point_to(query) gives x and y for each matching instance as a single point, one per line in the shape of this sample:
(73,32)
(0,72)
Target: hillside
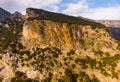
(52,47)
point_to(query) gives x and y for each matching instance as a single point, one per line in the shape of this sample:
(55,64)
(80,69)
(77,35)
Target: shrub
(73,66)
(51,63)
(84,77)
(69,76)
(99,52)
(48,79)
(55,55)
(71,52)
(21,77)
(60,80)
(94,79)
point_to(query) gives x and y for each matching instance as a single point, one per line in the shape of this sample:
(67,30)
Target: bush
(84,77)
(60,80)
(71,52)
(48,79)
(55,55)
(94,79)
(99,52)
(21,77)
(69,76)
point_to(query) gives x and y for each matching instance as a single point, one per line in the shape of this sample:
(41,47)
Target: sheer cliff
(53,47)
(67,32)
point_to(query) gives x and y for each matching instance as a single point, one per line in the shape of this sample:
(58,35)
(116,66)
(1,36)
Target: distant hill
(4,14)
(110,23)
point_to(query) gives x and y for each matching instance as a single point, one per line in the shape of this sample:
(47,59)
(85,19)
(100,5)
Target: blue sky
(93,9)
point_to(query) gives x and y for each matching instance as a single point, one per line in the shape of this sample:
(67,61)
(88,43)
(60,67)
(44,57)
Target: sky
(93,9)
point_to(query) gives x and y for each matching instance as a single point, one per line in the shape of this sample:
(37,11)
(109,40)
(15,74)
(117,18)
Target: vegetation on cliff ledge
(57,17)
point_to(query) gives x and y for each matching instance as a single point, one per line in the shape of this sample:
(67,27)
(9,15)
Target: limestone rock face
(65,36)
(30,14)
(47,33)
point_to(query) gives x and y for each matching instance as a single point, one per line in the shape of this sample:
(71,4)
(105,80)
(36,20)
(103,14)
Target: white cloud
(81,8)
(38,3)
(111,13)
(21,5)
(74,8)
(55,8)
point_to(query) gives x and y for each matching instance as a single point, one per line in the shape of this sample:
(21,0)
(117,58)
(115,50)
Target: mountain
(110,23)
(14,17)
(53,47)
(4,14)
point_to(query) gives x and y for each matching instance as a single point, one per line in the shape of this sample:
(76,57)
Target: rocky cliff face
(43,33)
(46,33)
(51,48)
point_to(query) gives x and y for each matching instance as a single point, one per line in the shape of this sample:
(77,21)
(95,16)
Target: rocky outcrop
(6,68)
(17,16)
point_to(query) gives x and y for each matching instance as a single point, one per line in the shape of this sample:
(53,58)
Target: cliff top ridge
(40,14)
